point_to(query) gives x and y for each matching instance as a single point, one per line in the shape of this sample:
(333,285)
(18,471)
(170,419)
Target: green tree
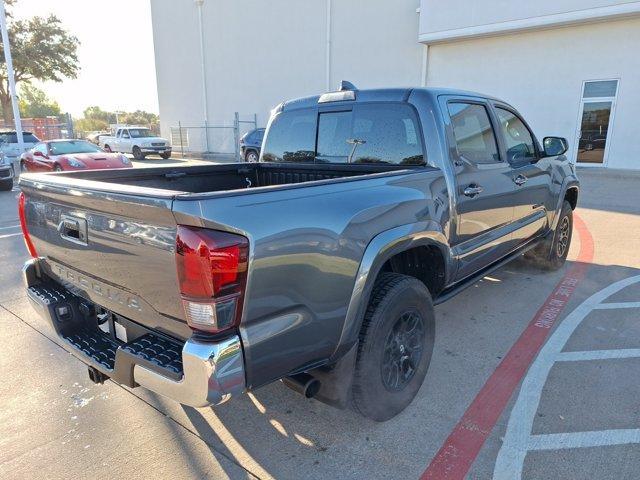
(97,114)
(35,103)
(140,117)
(42,49)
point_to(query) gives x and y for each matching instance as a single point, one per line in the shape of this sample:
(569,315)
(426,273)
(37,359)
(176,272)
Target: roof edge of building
(576,17)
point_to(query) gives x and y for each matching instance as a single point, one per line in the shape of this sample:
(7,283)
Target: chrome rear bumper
(199,375)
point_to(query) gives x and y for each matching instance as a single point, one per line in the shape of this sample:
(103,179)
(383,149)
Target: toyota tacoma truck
(139,141)
(319,265)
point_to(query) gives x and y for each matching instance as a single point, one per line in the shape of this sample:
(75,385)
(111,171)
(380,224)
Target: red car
(59,155)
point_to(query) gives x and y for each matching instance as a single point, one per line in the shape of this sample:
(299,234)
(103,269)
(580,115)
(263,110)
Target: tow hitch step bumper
(194,373)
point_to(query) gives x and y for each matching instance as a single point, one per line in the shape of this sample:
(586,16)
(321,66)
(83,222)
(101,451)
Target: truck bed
(220,177)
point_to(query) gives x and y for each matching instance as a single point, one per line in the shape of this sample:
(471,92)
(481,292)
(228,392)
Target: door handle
(520,180)
(473,190)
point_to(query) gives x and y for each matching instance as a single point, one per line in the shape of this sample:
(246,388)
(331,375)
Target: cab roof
(382,95)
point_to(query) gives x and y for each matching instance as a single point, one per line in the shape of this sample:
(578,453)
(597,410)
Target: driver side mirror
(38,153)
(554,146)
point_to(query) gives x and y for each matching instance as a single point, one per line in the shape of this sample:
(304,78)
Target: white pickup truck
(139,141)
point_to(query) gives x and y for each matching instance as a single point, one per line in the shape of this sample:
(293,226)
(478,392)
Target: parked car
(250,145)
(140,141)
(6,173)
(318,265)
(59,155)
(9,143)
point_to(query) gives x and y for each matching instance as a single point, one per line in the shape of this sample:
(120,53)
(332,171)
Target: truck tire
(251,156)
(107,149)
(137,153)
(6,185)
(551,253)
(395,346)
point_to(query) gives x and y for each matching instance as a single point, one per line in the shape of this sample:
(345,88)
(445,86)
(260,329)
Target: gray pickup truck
(318,266)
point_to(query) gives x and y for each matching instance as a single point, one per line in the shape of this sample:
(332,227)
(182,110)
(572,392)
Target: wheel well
(426,263)
(571,196)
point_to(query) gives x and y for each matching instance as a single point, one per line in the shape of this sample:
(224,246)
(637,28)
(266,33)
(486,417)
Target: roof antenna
(346,85)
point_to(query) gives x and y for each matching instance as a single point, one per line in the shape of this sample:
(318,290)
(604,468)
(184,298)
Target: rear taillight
(23,225)
(212,274)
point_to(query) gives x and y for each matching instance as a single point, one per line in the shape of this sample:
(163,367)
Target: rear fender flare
(381,248)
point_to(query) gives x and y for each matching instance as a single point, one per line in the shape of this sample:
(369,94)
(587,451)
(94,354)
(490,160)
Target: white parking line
(518,439)
(611,306)
(598,355)
(10,227)
(600,438)
(10,235)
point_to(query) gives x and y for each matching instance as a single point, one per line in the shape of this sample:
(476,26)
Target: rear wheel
(107,148)
(57,168)
(396,342)
(137,153)
(166,155)
(552,252)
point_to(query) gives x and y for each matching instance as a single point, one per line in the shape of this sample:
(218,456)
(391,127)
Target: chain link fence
(222,140)
(45,128)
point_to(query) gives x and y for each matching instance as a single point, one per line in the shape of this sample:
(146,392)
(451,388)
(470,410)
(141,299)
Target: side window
(42,148)
(474,135)
(517,137)
(292,137)
(258,136)
(125,134)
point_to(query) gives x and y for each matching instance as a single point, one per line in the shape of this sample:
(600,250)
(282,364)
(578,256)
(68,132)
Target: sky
(115,54)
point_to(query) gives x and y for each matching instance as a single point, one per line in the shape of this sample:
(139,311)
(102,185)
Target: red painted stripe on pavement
(457,454)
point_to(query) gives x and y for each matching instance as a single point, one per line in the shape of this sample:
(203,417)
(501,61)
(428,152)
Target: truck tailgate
(115,249)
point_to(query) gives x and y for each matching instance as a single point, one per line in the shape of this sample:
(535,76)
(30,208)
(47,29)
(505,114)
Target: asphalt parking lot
(492,405)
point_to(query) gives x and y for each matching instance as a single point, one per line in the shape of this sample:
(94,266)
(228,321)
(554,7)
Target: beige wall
(437,17)
(259,53)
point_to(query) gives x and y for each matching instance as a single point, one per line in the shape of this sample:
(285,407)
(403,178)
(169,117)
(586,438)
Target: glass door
(596,115)
(593,132)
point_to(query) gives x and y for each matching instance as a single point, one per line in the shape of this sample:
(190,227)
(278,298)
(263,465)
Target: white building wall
(476,16)
(541,73)
(259,53)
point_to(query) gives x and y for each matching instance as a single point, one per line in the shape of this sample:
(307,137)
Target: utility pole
(205,103)
(10,76)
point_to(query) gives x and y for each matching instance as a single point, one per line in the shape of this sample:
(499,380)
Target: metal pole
(328,49)
(181,143)
(10,76)
(236,135)
(205,102)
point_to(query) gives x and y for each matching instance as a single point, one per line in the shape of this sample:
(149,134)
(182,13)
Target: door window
(517,137)
(474,135)
(42,148)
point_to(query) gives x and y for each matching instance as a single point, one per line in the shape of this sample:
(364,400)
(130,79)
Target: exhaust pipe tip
(303,383)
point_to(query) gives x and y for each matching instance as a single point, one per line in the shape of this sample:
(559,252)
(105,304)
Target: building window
(602,88)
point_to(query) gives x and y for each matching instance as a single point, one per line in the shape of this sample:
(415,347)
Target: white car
(139,141)
(9,143)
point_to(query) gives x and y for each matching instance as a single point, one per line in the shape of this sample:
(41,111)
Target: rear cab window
(384,133)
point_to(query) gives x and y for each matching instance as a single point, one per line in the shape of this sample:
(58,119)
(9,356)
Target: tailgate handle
(73,229)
